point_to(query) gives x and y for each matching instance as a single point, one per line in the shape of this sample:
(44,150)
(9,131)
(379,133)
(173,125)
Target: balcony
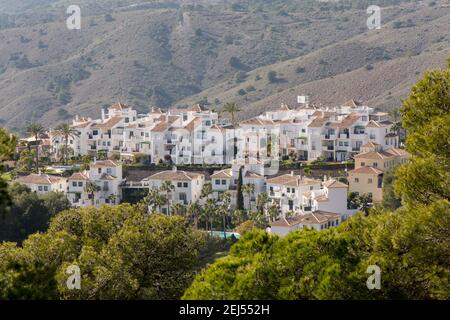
(328,136)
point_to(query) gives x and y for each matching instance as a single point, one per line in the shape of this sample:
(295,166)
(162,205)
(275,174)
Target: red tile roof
(34,178)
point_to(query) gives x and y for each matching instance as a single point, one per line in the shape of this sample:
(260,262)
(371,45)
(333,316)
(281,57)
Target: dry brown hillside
(174,53)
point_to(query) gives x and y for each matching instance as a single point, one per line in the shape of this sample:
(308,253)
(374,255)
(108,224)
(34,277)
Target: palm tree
(273,212)
(206,190)
(66,131)
(193,211)
(261,201)
(179,210)
(249,189)
(112,198)
(91,189)
(37,131)
(154,199)
(238,216)
(224,208)
(232,109)
(364,202)
(208,212)
(167,187)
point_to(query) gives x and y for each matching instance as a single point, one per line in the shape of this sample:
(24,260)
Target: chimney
(103,114)
(325,178)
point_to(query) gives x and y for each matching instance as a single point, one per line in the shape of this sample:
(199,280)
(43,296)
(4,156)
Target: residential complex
(196,136)
(245,151)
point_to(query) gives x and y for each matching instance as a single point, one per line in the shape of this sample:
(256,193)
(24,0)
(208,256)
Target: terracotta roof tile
(367,170)
(104,163)
(317,217)
(34,178)
(109,124)
(334,184)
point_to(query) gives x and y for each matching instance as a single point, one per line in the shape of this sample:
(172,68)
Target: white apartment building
(285,191)
(331,197)
(106,175)
(227,180)
(319,220)
(195,135)
(187,186)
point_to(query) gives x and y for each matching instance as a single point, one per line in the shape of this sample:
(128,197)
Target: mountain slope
(173,53)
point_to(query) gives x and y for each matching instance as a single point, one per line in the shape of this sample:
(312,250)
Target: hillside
(174,53)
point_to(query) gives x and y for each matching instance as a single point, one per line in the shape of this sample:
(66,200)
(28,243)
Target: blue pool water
(220,234)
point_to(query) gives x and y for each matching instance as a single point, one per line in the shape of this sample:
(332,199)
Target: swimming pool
(220,234)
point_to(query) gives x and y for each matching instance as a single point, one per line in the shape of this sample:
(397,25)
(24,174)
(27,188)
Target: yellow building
(370,164)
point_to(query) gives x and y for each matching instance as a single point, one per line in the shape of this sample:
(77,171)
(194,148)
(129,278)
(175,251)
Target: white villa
(43,183)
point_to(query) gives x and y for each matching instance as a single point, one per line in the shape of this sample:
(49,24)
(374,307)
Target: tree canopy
(122,253)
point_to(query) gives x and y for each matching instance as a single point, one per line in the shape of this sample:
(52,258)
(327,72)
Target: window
(217,181)
(80,184)
(185,184)
(289,190)
(74,184)
(311,187)
(99,170)
(40,188)
(224,182)
(45,188)
(375,164)
(356,180)
(108,170)
(370,180)
(127,120)
(363,164)
(293,190)
(179,184)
